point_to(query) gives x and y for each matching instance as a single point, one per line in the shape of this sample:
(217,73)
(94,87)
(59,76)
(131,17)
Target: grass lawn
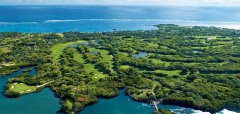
(153,45)
(124,54)
(88,66)
(144,92)
(225,43)
(97,74)
(60,34)
(22,88)
(167,48)
(78,57)
(169,72)
(209,37)
(8,64)
(105,54)
(157,61)
(57,49)
(5,50)
(69,104)
(125,67)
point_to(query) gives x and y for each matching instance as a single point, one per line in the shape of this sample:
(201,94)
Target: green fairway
(69,104)
(208,37)
(125,67)
(5,50)
(57,49)
(90,68)
(157,61)
(225,42)
(105,54)
(78,57)
(169,72)
(153,45)
(22,88)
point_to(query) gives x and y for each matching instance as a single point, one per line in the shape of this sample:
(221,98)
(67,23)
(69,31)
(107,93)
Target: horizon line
(102,4)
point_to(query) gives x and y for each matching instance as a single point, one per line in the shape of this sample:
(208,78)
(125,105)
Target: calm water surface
(43,102)
(140,55)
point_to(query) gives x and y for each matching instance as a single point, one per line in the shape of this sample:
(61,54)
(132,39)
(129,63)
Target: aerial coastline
(78,72)
(128,57)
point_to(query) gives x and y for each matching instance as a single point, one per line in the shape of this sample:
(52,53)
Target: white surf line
(119,19)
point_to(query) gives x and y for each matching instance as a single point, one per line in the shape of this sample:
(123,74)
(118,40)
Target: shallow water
(32,72)
(107,18)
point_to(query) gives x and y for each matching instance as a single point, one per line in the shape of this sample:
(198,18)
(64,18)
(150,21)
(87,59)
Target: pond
(140,55)
(196,52)
(85,43)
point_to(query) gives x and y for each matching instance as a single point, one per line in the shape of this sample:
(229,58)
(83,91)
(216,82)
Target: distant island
(190,66)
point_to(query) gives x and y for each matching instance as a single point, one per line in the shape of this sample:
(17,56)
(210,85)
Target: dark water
(43,102)
(107,18)
(118,105)
(32,72)
(123,104)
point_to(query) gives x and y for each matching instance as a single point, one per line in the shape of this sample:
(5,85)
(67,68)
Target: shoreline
(147,24)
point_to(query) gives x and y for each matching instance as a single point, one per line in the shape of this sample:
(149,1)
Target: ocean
(90,18)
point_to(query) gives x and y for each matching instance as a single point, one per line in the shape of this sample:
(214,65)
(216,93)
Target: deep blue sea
(106,18)
(98,19)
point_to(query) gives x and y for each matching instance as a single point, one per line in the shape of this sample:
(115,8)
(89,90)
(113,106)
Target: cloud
(153,2)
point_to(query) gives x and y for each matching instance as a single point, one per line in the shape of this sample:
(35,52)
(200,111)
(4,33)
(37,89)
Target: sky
(129,2)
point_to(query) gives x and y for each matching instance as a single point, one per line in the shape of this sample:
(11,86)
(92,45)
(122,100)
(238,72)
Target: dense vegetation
(162,111)
(197,67)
